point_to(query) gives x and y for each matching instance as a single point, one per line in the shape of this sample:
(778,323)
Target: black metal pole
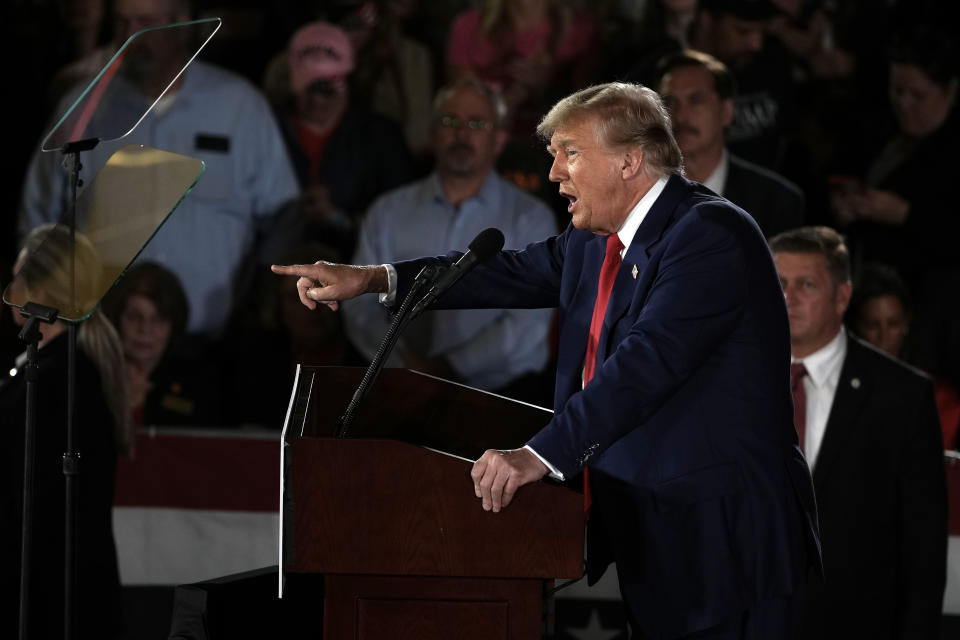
(35,314)
(71,470)
(31,375)
(71,458)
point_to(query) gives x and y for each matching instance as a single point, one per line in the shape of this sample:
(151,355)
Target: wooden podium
(395,527)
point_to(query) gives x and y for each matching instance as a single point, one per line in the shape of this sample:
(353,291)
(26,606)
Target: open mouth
(572,198)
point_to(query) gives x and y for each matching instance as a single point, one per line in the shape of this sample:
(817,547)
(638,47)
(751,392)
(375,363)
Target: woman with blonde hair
(45,275)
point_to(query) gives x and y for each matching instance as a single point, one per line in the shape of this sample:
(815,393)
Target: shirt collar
(629,227)
(824,364)
(717,180)
(488,193)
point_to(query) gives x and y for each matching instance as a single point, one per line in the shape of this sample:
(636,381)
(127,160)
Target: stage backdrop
(200,504)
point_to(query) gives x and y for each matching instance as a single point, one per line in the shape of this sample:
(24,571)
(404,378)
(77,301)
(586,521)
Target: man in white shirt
(869,429)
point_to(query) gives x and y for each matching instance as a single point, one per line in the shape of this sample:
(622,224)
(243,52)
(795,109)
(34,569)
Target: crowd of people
(321,140)
(382,130)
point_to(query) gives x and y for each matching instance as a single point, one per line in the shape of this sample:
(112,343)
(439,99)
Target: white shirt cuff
(390,296)
(554,472)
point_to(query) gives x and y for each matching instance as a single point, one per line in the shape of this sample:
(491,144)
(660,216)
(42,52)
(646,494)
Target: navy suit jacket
(881,491)
(701,494)
(774,202)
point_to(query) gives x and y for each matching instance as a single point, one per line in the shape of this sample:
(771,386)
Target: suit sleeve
(517,340)
(365,319)
(923,523)
(694,304)
(523,279)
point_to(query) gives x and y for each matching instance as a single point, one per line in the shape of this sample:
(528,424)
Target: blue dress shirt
(247,178)
(488,348)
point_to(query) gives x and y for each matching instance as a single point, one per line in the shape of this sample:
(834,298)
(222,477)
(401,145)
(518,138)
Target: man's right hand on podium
(498,474)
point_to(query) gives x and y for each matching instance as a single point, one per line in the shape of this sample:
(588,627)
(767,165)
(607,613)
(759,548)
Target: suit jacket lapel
(648,235)
(853,388)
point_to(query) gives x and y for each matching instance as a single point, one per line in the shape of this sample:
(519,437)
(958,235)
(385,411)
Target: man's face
(589,176)
(322,101)
(815,304)
(735,40)
(154,56)
(699,115)
(130,16)
(466,138)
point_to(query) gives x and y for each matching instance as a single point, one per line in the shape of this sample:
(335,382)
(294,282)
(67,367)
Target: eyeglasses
(453,122)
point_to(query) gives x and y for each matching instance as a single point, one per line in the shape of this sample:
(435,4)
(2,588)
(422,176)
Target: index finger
(301,270)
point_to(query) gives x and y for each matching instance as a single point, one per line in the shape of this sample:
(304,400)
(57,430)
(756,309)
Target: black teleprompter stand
(36,313)
(90,120)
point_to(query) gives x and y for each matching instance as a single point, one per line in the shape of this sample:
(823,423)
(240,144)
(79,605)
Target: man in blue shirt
(210,114)
(487,348)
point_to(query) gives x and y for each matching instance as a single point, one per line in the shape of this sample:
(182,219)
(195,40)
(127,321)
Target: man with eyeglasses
(500,350)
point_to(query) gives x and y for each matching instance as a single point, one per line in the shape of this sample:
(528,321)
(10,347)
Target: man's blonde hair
(628,116)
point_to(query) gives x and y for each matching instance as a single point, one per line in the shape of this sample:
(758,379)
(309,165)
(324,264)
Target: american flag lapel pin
(634,272)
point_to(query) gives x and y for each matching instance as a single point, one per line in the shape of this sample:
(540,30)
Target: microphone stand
(400,321)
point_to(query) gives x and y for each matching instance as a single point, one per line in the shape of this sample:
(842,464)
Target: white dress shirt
(717,181)
(626,233)
(820,384)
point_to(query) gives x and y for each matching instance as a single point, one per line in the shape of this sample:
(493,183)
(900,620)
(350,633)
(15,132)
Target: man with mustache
(497,350)
(699,90)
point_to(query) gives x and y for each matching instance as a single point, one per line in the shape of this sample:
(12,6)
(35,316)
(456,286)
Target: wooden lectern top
(379,503)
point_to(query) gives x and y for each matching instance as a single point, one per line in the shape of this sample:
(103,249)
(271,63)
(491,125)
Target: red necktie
(608,273)
(797,373)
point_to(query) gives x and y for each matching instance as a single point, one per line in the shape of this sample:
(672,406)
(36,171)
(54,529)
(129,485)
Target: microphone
(487,243)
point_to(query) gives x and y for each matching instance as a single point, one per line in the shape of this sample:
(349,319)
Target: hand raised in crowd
(884,207)
(329,283)
(317,206)
(498,474)
(316,203)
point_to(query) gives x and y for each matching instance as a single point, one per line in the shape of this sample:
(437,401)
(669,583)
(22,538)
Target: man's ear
(726,112)
(631,163)
(841,298)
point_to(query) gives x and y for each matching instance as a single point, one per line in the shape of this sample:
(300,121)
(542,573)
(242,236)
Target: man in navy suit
(674,392)
(872,439)
(699,91)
